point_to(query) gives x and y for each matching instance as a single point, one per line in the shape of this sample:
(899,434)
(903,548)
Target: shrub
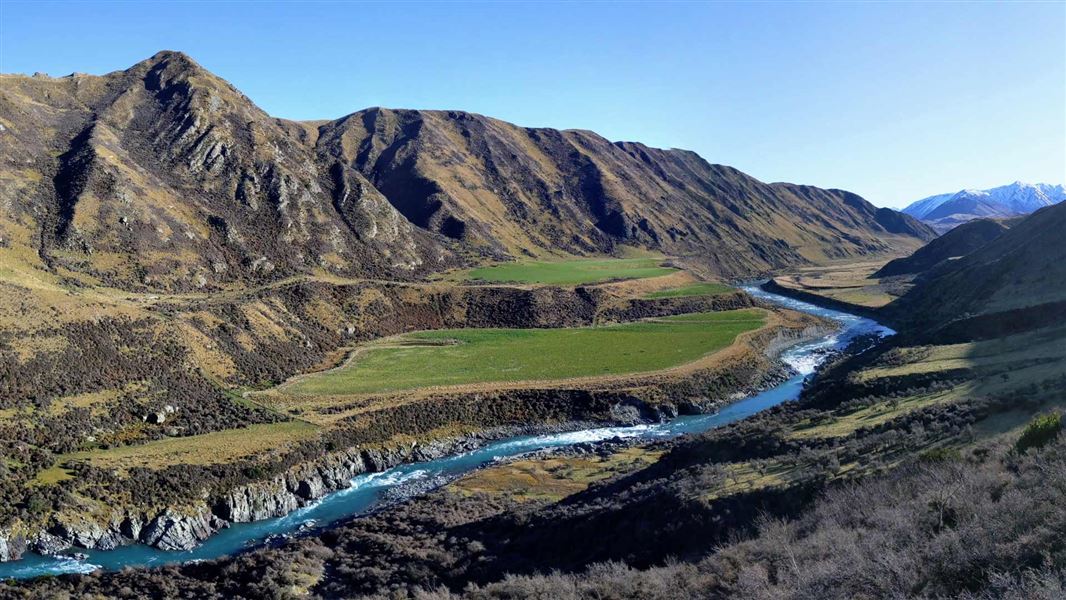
(1039,432)
(936,455)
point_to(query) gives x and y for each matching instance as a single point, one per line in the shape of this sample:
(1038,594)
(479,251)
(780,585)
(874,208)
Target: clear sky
(894,101)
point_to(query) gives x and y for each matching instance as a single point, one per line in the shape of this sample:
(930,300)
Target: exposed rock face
(284,494)
(259,501)
(175,531)
(510,189)
(165,176)
(11,547)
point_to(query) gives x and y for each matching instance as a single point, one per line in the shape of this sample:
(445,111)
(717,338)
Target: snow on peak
(1017,198)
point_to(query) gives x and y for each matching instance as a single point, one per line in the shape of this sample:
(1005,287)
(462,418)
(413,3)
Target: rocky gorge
(629,401)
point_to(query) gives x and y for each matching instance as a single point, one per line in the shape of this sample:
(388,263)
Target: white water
(367,490)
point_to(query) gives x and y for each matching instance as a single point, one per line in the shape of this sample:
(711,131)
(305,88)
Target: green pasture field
(466,356)
(571,272)
(696,289)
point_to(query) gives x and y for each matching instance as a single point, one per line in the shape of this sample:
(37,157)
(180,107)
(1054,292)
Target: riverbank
(318,481)
(774,287)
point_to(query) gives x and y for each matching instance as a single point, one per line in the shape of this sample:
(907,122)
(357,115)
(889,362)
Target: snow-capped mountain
(945,211)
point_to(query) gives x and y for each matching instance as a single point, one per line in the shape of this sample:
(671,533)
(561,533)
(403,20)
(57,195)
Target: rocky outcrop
(284,494)
(11,546)
(635,402)
(175,531)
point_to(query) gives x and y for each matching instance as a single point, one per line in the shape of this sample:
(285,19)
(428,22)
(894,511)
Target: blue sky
(894,101)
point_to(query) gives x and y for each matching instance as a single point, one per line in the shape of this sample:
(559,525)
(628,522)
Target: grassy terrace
(210,448)
(571,272)
(555,478)
(454,357)
(852,283)
(696,289)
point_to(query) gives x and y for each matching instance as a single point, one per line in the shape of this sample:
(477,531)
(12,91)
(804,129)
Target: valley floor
(180,398)
(911,451)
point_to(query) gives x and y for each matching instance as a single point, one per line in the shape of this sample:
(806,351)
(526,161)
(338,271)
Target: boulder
(175,531)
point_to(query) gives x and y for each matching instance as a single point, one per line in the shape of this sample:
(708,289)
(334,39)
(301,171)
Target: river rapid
(369,490)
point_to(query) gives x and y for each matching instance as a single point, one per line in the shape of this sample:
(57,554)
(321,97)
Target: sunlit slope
(503,188)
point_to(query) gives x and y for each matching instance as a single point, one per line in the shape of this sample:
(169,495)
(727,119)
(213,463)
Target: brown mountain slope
(164,176)
(1014,281)
(957,242)
(519,190)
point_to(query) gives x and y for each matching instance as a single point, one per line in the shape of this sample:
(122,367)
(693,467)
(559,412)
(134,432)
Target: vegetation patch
(838,425)
(696,289)
(210,448)
(464,356)
(51,476)
(552,479)
(1040,431)
(852,283)
(571,272)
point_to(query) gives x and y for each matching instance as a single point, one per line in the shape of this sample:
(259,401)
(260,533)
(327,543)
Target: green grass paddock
(571,272)
(499,355)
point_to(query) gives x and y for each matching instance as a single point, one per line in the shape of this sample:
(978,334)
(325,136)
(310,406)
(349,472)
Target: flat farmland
(571,272)
(695,289)
(466,356)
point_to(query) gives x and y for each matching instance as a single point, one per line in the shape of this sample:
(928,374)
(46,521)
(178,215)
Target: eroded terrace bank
(128,502)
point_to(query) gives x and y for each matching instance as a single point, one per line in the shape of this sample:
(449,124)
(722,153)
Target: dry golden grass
(748,477)
(96,401)
(30,346)
(210,448)
(552,479)
(992,357)
(846,282)
(206,353)
(637,288)
(994,367)
(876,414)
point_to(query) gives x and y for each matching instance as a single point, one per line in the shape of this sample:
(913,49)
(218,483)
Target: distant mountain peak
(945,211)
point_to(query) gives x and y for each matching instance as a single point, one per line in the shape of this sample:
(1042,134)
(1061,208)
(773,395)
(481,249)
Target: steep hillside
(956,243)
(165,176)
(945,211)
(1021,270)
(513,190)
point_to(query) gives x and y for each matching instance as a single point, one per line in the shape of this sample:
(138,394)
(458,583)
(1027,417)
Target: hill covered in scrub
(523,190)
(956,243)
(1018,275)
(164,176)
(193,301)
(917,466)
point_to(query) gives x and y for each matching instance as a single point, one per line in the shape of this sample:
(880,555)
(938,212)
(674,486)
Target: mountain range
(178,269)
(945,211)
(165,176)
(1017,271)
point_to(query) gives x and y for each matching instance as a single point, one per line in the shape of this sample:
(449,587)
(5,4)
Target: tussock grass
(552,479)
(209,448)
